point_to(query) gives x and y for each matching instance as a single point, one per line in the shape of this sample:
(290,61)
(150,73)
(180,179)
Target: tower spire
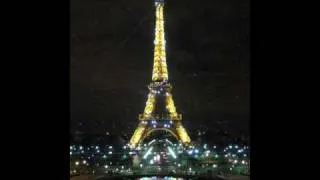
(160,70)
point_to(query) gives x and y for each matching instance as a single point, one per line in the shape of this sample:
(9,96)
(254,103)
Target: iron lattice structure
(160,112)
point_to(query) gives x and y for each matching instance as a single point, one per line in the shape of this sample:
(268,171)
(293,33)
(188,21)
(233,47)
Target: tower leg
(182,133)
(137,135)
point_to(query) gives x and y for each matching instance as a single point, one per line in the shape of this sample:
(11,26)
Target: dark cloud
(111,61)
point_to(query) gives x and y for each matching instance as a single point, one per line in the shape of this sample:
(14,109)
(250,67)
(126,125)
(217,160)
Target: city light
(235,161)
(207,153)
(169,141)
(172,153)
(148,152)
(151,142)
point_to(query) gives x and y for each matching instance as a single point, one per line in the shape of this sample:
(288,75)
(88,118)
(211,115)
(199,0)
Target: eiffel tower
(160,112)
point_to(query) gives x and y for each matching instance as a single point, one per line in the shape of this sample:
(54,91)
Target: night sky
(208,59)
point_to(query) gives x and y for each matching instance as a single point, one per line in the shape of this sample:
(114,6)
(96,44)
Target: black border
(35,64)
(279,90)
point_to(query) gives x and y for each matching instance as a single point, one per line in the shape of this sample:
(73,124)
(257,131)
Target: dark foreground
(88,177)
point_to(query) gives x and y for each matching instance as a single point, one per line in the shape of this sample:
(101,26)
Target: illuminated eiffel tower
(160,112)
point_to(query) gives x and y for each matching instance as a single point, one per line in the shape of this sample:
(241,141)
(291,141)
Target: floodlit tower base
(145,128)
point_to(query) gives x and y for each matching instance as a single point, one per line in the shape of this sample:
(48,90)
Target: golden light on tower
(160,71)
(149,105)
(137,135)
(171,108)
(159,88)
